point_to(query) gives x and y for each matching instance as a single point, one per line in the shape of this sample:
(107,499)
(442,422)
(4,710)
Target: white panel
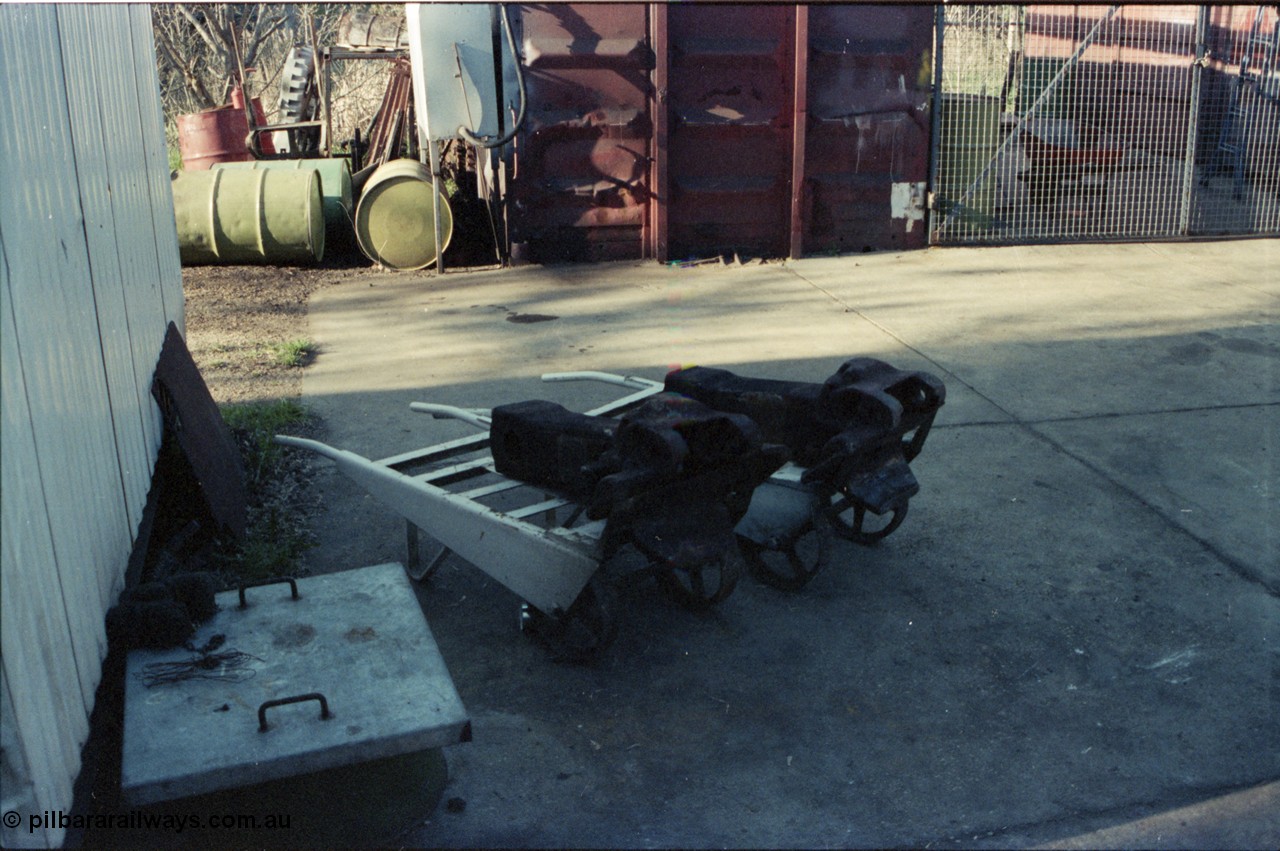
(444,37)
(132,198)
(150,140)
(48,715)
(17,792)
(109,243)
(89,277)
(55,329)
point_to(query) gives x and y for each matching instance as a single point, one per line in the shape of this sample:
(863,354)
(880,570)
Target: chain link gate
(1092,123)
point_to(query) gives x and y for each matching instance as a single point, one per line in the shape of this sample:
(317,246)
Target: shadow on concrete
(1052,643)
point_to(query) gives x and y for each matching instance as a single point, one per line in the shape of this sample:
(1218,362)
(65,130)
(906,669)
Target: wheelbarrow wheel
(790,565)
(583,633)
(703,585)
(851,520)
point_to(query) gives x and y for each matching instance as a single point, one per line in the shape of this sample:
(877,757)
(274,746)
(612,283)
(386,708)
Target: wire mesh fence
(1076,123)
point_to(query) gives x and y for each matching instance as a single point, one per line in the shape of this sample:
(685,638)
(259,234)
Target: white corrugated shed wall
(89,279)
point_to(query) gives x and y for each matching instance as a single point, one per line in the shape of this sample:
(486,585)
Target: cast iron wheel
(849,519)
(298,101)
(583,633)
(793,564)
(705,584)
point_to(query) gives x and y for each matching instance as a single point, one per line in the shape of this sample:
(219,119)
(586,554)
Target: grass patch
(292,353)
(275,539)
(271,548)
(175,159)
(254,425)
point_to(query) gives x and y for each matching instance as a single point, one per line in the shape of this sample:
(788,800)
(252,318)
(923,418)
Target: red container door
(681,131)
(730,80)
(580,190)
(866,152)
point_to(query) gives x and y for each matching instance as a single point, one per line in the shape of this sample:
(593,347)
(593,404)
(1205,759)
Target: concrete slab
(1248,819)
(1069,331)
(1045,648)
(468,340)
(1021,657)
(1212,473)
(498,331)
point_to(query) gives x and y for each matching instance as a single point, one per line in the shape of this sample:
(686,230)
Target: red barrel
(213,136)
(259,119)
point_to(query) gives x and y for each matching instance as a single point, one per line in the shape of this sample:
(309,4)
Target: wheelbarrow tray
(1051,143)
(488,519)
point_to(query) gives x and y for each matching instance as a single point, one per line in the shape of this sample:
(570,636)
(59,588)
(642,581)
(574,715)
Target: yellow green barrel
(395,219)
(254,216)
(335,189)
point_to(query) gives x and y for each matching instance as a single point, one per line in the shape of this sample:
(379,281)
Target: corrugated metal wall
(89,279)
(731,113)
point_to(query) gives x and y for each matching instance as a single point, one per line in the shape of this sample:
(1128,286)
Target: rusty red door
(866,150)
(729,106)
(681,131)
(580,190)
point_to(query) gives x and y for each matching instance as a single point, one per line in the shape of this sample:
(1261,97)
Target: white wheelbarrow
(543,548)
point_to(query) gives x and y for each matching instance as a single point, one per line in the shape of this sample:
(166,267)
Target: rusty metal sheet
(191,415)
(730,103)
(867,140)
(393,117)
(581,189)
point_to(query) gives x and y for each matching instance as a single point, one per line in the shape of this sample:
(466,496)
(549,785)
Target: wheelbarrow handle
(478,417)
(633,381)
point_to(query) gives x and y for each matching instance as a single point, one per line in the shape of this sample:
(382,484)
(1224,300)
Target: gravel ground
(236,315)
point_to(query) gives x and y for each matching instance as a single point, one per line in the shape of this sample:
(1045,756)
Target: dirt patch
(236,318)
(244,327)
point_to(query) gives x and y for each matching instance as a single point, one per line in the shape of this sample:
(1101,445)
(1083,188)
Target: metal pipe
(326,104)
(659,199)
(935,120)
(1193,122)
(433,163)
(633,381)
(474,417)
(499,141)
(254,143)
(799,127)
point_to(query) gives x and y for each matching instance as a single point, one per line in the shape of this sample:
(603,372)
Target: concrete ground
(1076,628)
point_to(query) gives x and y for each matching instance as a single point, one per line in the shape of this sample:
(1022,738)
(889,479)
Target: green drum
(335,189)
(252,216)
(395,219)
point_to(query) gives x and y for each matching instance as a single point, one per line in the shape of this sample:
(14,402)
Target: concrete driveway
(1077,626)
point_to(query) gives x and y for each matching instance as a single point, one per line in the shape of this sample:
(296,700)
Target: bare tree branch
(260,37)
(197,64)
(200,26)
(185,68)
